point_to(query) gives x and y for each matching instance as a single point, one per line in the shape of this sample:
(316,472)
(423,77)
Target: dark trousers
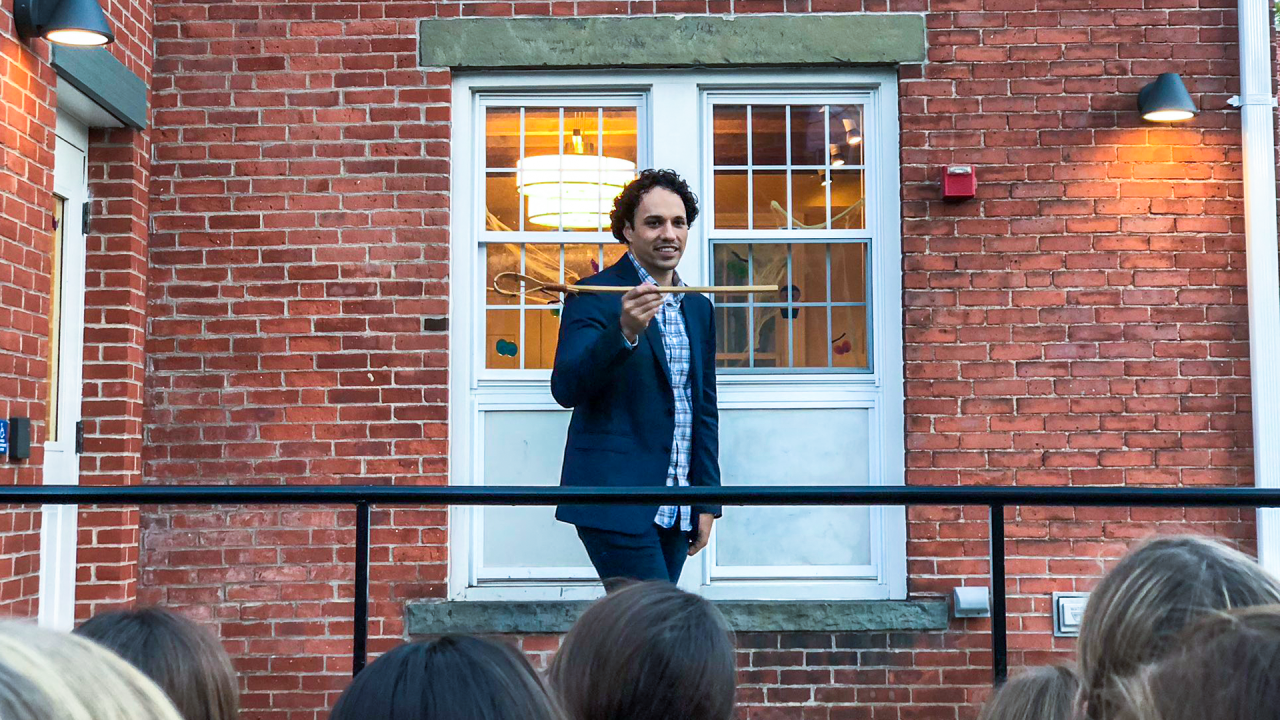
(656,554)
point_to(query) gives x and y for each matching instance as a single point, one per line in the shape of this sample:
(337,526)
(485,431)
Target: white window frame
(473,390)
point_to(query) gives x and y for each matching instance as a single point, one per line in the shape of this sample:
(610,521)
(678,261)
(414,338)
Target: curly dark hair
(628,201)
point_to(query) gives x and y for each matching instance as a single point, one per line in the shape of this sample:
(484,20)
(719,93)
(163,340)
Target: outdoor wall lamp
(77,23)
(1165,100)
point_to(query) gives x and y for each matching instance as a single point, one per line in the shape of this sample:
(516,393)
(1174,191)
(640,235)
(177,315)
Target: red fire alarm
(959,182)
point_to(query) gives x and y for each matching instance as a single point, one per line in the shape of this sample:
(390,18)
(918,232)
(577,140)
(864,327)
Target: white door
(66,376)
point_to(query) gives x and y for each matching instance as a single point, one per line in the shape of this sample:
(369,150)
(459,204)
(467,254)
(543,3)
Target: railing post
(999,624)
(360,621)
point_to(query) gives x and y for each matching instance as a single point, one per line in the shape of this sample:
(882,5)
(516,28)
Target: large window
(798,183)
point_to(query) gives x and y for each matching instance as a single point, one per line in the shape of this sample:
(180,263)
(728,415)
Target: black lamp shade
(1166,99)
(66,22)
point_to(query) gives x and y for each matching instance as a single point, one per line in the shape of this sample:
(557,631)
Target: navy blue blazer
(623,405)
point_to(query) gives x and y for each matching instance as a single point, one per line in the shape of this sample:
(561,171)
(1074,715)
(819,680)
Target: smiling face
(658,233)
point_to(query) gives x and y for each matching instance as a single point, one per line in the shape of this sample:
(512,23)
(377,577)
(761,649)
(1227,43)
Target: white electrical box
(1068,611)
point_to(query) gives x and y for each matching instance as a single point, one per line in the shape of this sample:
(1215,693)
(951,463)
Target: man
(639,372)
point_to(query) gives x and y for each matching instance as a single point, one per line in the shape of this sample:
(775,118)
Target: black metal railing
(364,496)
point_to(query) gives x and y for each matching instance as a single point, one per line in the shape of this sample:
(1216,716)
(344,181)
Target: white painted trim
(1257,130)
(59,523)
(682,150)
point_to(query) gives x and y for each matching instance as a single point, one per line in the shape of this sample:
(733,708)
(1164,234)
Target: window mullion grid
(600,168)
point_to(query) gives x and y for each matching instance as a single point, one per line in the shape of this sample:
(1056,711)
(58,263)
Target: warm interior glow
(573,191)
(1167,115)
(76,38)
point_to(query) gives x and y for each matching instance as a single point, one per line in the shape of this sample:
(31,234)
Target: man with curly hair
(638,370)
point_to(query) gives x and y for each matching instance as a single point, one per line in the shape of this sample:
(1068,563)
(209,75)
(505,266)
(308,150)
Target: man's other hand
(703,533)
(639,306)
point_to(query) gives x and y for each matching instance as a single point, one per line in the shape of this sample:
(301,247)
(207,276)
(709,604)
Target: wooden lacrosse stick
(532,285)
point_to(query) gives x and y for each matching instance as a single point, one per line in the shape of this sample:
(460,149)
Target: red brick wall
(1081,322)
(27,91)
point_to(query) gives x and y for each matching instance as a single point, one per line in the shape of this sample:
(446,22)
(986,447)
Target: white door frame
(62,463)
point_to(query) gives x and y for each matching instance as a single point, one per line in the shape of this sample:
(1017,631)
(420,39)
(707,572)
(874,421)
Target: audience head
(1154,593)
(48,675)
(648,651)
(1226,668)
(1042,693)
(187,662)
(452,678)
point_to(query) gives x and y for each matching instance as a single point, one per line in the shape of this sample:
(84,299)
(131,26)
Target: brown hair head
(1042,693)
(1225,669)
(648,651)
(188,663)
(1153,594)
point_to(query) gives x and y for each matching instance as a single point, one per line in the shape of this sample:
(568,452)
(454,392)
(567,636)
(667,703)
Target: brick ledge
(551,617)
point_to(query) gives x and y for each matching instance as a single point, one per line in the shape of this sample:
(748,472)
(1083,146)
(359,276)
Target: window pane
(621,128)
(809,271)
(769,267)
(528,446)
(541,329)
(580,261)
(731,199)
(846,135)
(613,253)
(849,272)
(502,339)
(769,191)
(541,131)
(765,447)
(729,134)
(500,259)
(848,199)
(808,200)
(849,339)
(768,135)
(808,135)
(811,341)
(730,269)
(502,202)
(772,337)
(542,262)
(731,337)
(502,137)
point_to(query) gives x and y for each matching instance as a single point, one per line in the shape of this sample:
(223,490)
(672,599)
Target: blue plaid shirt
(675,341)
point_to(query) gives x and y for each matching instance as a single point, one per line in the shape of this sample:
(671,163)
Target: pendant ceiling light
(77,23)
(573,190)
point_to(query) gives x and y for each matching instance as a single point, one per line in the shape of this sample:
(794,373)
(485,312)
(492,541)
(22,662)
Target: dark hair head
(1159,589)
(188,663)
(628,201)
(452,678)
(649,651)
(1042,693)
(1224,669)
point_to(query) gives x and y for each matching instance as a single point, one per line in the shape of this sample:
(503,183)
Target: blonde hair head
(1042,693)
(1156,591)
(48,675)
